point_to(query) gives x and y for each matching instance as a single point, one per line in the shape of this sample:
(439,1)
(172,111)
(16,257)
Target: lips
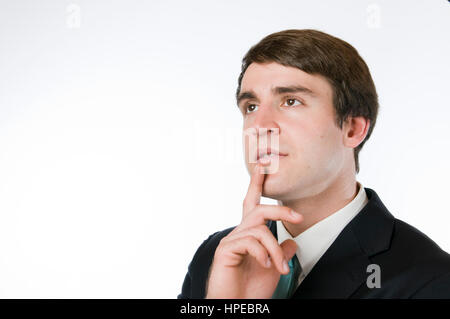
(269,152)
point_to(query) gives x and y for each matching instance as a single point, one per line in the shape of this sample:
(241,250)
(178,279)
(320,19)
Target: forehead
(260,78)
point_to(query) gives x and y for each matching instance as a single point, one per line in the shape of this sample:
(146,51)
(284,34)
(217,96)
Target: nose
(263,131)
(265,123)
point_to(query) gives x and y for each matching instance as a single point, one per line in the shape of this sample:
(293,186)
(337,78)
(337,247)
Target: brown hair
(316,52)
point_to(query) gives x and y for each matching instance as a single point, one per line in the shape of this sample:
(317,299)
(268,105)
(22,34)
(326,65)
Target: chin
(274,186)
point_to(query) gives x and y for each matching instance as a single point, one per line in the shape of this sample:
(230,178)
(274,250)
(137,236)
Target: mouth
(265,155)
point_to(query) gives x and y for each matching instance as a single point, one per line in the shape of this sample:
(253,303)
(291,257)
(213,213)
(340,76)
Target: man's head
(324,123)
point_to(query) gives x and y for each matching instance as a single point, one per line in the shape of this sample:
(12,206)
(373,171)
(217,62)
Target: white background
(120,147)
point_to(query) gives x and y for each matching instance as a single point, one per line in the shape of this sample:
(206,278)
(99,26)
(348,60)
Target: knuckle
(248,239)
(262,255)
(262,229)
(266,236)
(258,214)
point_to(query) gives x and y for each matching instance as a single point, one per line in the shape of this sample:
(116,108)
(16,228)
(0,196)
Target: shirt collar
(313,242)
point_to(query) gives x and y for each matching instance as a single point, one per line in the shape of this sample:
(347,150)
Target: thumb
(289,248)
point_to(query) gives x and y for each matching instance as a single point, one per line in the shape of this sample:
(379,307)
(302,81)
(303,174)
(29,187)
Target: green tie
(288,283)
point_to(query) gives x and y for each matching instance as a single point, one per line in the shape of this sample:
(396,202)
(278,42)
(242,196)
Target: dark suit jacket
(411,264)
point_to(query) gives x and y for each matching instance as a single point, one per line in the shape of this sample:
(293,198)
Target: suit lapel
(343,267)
(339,272)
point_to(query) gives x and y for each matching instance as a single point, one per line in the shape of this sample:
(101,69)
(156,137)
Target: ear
(355,130)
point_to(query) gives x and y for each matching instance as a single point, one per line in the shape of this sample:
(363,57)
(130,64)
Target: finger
(254,191)
(289,248)
(247,245)
(270,243)
(263,213)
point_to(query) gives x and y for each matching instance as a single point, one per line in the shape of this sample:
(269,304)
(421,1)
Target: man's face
(305,120)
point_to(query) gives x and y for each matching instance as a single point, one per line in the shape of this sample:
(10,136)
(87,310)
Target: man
(329,237)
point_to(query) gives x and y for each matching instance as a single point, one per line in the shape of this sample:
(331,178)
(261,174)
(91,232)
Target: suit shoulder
(195,279)
(420,249)
(408,233)
(436,288)
(205,252)
(210,244)
(412,265)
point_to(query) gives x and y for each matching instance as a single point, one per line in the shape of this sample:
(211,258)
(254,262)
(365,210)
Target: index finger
(254,192)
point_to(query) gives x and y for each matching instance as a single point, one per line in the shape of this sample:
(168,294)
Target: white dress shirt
(314,242)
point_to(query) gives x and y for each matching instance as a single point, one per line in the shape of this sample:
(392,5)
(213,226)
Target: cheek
(329,150)
(318,145)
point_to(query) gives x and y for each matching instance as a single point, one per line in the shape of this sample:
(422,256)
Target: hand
(248,262)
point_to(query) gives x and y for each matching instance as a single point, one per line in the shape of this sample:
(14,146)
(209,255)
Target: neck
(315,208)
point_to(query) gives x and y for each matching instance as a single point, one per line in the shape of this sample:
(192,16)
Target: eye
(248,107)
(291,102)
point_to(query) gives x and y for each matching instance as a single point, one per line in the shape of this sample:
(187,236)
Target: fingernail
(285,266)
(294,213)
(264,160)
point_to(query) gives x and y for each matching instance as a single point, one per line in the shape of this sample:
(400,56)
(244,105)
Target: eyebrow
(247,95)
